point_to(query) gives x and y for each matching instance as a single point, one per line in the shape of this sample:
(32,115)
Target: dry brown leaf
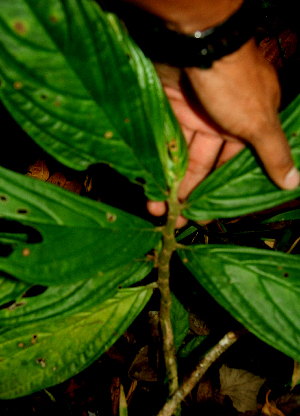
(197,324)
(289,403)
(270,409)
(131,390)
(241,386)
(153,317)
(58,179)
(39,170)
(140,368)
(88,183)
(204,391)
(270,47)
(115,395)
(270,243)
(73,186)
(296,374)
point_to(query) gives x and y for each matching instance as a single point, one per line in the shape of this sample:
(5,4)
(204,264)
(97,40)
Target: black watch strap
(200,49)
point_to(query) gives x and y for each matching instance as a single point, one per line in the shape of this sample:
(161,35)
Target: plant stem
(172,404)
(169,246)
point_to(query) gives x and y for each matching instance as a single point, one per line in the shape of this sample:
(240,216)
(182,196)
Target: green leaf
(78,85)
(188,348)
(64,300)
(75,238)
(186,233)
(285,241)
(11,289)
(42,354)
(241,186)
(284,216)
(261,289)
(180,321)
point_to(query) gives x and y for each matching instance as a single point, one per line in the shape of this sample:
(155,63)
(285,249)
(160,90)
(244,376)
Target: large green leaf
(64,300)
(11,289)
(78,85)
(77,238)
(260,288)
(48,352)
(241,186)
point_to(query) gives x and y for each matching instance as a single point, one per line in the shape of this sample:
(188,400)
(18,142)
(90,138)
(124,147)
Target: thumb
(275,154)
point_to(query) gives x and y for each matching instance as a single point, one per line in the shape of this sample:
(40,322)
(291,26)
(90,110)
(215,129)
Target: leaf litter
(241,386)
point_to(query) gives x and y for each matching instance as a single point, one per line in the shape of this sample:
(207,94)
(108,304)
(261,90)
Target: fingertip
(292,179)
(156,208)
(181,221)
(275,154)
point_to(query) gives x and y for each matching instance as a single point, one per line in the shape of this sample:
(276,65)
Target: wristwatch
(199,49)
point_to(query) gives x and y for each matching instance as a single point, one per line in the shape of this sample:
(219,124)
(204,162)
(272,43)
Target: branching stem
(169,246)
(170,407)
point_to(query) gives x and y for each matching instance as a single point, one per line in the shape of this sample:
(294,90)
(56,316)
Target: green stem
(169,246)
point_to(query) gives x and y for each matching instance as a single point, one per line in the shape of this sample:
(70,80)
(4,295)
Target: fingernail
(292,179)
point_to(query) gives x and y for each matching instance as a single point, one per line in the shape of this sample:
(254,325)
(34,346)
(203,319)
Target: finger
(181,221)
(159,208)
(203,153)
(156,208)
(229,150)
(274,152)
(188,134)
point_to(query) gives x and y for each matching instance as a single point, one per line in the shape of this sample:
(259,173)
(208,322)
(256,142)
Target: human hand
(223,108)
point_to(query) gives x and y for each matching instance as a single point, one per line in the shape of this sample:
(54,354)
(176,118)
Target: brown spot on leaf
(25,252)
(16,305)
(18,85)
(20,27)
(111,217)
(34,339)
(108,134)
(53,19)
(172,145)
(41,362)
